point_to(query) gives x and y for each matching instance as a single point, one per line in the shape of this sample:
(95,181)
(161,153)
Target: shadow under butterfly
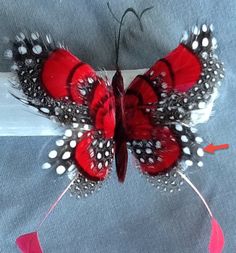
(153,117)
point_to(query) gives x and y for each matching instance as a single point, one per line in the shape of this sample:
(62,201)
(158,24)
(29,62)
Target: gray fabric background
(133,217)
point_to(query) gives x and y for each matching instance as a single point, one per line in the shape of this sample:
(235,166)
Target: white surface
(17,119)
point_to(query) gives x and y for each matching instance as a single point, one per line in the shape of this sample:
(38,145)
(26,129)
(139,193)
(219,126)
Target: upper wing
(183,85)
(67,90)
(52,79)
(163,104)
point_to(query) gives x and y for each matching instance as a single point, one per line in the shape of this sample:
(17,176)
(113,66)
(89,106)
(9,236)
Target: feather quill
(216,243)
(29,243)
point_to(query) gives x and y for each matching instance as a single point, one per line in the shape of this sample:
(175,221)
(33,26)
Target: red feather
(182,69)
(29,243)
(63,74)
(169,153)
(86,163)
(56,70)
(101,107)
(216,243)
(140,92)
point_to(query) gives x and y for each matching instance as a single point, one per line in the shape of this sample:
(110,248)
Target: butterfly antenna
(121,22)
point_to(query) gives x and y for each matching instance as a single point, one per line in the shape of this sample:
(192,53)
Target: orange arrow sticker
(212,148)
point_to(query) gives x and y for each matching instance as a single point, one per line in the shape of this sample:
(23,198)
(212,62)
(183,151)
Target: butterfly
(153,118)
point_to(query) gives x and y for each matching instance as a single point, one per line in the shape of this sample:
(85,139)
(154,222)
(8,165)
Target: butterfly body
(121,153)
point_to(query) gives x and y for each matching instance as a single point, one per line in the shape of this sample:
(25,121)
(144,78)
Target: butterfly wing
(68,91)
(184,84)
(163,104)
(185,81)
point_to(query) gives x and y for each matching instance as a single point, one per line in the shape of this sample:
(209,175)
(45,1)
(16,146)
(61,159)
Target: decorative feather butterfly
(152,118)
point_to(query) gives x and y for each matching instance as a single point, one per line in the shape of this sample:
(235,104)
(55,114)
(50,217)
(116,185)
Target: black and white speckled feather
(28,54)
(166,182)
(192,152)
(191,157)
(194,106)
(61,158)
(83,187)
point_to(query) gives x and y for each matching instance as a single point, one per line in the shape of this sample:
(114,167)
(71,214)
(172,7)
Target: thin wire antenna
(121,22)
(146,9)
(112,13)
(116,45)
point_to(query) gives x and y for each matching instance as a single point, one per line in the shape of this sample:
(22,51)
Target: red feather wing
(55,81)
(159,101)
(155,147)
(93,155)
(64,88)
(178,86)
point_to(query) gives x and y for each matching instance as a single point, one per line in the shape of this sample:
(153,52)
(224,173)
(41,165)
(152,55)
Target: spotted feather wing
(190,88)
(170,97)
(83,154)
(163,150)
(185,82)
(67,90)
(51,79)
